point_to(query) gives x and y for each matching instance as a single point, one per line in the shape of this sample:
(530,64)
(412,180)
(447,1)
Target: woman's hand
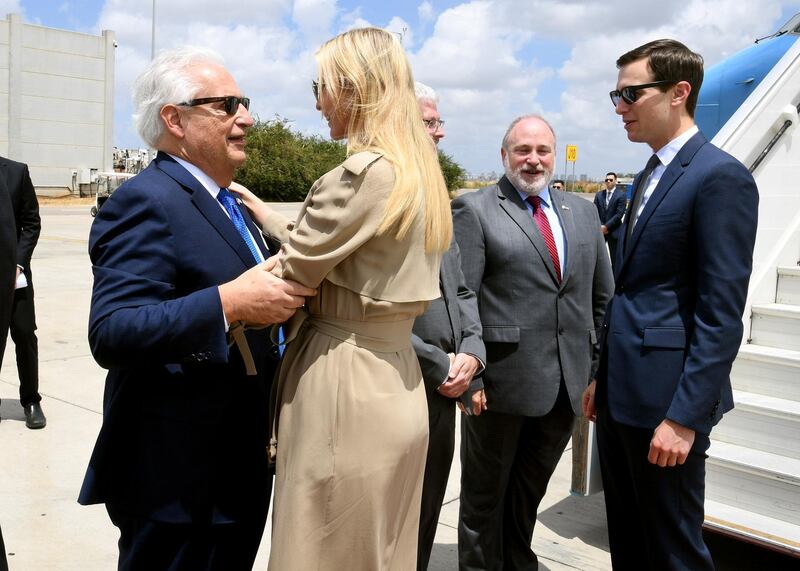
(257,207)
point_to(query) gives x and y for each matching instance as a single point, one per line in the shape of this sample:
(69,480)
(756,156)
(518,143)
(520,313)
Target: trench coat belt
(380,337)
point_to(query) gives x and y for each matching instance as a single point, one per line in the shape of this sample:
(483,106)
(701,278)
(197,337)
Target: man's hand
(604,229)
(462,368)
(670,444)
(478,403)
(259,298)
(587,402)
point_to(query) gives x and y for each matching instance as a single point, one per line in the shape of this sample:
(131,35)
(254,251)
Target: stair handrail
(786,124)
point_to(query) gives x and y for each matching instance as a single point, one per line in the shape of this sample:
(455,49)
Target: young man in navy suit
(181,459)
(674,324)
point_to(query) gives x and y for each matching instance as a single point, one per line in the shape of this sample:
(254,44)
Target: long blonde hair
(366,71)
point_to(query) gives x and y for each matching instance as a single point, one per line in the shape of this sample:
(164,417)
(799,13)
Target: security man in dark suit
(23,316)
(610,204)
(447,340)
(8,242)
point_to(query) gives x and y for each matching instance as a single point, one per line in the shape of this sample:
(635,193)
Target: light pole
(153,34)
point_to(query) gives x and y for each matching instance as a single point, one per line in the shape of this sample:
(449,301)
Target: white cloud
(490,60)
(425,12)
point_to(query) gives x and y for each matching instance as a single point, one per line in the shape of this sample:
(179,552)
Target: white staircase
(753,469)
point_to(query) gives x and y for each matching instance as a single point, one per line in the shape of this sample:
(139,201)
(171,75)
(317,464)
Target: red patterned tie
(544,228)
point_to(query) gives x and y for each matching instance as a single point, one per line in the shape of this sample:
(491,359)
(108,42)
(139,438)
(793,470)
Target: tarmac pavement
(43,525)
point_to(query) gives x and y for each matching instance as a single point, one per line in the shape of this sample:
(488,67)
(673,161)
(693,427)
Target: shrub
(282,164)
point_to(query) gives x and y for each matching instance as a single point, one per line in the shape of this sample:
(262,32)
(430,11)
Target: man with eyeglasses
(448,344)
(557,184)
(674,326)
(181,461)
(610,204)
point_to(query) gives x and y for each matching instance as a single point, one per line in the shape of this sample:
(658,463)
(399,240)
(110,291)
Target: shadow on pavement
(11,409)
(578,517)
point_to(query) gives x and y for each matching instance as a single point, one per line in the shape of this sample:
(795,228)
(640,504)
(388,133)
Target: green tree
(453,174)
(282,164)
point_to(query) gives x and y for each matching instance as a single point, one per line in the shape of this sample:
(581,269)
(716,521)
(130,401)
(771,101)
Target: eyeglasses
(558,187)
(231,106)
(315,85)
(628,94)
(433,123)
(609,180)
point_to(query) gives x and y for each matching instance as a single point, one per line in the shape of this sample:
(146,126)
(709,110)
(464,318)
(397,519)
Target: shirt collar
(669,151)
(544,195)
(207,182)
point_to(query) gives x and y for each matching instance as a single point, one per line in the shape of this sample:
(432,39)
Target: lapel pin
(564,207)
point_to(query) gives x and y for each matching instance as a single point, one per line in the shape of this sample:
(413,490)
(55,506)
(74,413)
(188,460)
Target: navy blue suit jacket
(611,216)
(673,326)
(185,430)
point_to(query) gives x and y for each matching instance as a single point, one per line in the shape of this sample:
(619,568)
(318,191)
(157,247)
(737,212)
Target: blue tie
(227,200)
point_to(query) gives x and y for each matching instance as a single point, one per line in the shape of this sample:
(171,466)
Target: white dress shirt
(665,155)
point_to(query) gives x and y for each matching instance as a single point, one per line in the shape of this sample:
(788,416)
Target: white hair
(166,80)
(425,93)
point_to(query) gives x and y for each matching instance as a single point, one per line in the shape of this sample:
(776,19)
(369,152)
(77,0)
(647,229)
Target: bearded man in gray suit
(540,270)
(447,340)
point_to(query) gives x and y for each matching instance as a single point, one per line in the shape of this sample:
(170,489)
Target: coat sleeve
(468,232)
(29,224)
(343,211)
(602,290)
(471,329)
(724,225)
(136,313)
(619,210)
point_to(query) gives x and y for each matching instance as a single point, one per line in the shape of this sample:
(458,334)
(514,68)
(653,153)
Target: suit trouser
(148,545)
(441,445)
(23,333)
(506,463)
(3,560)
(655,515)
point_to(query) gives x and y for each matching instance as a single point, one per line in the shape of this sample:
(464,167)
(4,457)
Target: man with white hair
(181,460)
(447,340)
(539,267)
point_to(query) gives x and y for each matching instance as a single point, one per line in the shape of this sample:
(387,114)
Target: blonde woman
(352,414)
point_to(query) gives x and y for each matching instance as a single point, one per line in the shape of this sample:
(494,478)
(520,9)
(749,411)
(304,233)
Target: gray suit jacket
(536,330)
(449,325)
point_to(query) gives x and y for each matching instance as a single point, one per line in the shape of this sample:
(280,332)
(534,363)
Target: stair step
(767,371)
(788,285)
(768,531)
(763,423)
(776,325)
(757,481)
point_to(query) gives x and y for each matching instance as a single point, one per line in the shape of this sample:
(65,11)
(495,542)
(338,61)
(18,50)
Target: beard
(534,187)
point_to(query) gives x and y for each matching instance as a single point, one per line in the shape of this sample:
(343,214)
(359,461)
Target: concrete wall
(56,100)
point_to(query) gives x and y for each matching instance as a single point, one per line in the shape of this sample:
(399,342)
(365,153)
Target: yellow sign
(572,153)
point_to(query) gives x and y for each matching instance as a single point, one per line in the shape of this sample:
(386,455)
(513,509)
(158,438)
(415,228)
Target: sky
(489,60)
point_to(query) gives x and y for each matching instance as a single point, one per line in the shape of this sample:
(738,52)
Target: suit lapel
(512,204)
(671,175)
(208,207)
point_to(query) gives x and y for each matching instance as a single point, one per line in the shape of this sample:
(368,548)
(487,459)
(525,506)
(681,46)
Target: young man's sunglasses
(231,106)
(629,94)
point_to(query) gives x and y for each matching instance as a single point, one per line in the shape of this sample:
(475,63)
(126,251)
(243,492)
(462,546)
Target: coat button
(561,331)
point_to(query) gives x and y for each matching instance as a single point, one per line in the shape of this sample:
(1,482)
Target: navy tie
(229,202)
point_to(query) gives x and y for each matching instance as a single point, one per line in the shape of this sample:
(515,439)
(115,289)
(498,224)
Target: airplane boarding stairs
(753,469)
